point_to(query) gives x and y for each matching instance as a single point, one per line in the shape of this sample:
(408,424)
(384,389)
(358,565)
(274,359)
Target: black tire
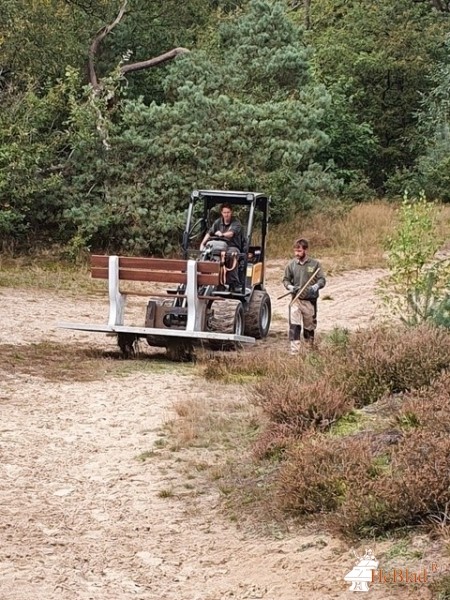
(128,344)
(179,350)
(228,318)
(258,315)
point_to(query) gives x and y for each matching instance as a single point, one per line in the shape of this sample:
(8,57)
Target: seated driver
(228,229)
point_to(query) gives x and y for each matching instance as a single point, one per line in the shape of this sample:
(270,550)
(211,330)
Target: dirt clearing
(90,511)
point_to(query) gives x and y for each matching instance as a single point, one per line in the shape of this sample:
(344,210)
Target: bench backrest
(161,270)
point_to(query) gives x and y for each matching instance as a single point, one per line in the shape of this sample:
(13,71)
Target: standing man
(304,309)
(228,229)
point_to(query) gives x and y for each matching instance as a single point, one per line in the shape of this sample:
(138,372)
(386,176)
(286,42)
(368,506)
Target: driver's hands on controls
(218,234)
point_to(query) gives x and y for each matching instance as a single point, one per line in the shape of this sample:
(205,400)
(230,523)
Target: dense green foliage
(354,105)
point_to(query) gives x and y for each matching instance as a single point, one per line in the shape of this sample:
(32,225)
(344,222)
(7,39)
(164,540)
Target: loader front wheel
(128,344)
(228,317)
(258,315)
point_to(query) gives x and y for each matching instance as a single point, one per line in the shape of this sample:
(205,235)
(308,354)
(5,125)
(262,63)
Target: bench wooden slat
(151,295)
(156,276)
(134,275)
(163,264)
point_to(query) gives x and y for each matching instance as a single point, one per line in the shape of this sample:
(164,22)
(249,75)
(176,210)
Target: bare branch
(438,5)
(296,4)
(127,68)
(307,8)
(101,34)
(154,62)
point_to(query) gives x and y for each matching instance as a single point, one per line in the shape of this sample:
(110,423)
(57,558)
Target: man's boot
(308,334)
(294,338)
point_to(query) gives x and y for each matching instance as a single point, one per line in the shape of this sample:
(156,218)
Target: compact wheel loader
(246,312)
(203,309)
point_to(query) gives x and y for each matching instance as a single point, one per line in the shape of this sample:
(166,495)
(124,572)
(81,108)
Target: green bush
(417,281)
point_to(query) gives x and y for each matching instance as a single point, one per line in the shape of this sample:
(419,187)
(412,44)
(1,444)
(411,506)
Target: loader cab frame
(254,205)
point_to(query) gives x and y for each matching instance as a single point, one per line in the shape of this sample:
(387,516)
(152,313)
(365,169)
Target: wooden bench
(190,273)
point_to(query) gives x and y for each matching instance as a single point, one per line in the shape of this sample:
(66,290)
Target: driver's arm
(204,241)
(210,233)
(227,235)
(235,229)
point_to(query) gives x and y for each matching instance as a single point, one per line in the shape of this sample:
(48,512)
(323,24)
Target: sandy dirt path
(83,518)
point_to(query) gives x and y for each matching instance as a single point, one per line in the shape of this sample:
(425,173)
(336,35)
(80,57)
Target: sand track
(83,518)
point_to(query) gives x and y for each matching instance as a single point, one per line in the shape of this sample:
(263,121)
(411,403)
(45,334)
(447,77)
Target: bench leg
(116,299)
(196,308)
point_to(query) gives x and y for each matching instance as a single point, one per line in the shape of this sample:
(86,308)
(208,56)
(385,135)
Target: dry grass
(346,237)
(63,362)
(215,422)
(217,435)
(47,272)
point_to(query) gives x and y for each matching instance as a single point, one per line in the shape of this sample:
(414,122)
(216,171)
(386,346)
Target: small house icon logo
(362,573)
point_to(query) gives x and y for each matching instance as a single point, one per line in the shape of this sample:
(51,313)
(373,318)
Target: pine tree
(247,115)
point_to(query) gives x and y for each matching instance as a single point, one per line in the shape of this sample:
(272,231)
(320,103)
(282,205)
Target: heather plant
(427,407)
(415,490)
(388,472)
(318,473)
(293,408)
(383,361)
(314,393)
(302,405)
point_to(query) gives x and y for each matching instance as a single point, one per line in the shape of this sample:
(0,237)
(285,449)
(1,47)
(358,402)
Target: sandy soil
(83,518)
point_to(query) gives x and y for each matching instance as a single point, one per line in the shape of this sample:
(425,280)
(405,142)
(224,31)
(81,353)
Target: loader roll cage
(255,203)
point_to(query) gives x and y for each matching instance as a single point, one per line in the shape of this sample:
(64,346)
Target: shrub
(415,490)
(301,405)
(319,472)
(428,407)
(321,388)
(293,408)
(383,361)
(417,282)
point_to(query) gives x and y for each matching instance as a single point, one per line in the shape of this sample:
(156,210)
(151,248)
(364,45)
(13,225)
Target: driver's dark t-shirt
(235,226)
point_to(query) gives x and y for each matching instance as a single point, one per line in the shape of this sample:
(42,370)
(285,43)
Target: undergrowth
(358,428)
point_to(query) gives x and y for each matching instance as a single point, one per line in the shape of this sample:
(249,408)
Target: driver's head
(227,213)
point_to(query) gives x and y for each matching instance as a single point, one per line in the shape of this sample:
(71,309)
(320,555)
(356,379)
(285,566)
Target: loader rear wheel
(258,315)
(228,318)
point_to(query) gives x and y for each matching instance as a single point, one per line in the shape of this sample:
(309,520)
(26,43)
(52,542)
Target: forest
(114,111)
